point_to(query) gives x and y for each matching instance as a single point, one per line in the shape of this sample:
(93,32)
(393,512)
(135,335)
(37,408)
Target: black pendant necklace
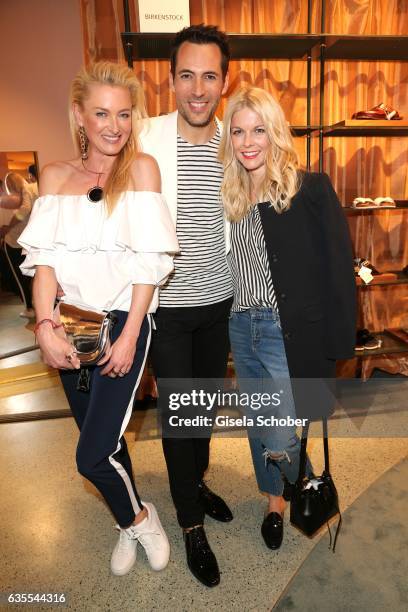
(95,193)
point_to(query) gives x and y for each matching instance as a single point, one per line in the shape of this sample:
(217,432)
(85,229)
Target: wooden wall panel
(368,167)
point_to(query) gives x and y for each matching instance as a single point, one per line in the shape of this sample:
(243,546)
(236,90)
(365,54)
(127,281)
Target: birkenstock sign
(163,15)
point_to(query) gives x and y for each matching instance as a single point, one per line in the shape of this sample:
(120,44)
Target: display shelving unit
(145,46)
(365,48)
(310,47)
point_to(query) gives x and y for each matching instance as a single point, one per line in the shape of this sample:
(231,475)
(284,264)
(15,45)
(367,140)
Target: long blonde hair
(117,75)
(281,180)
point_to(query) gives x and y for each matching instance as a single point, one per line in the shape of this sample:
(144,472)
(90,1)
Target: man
(191,339)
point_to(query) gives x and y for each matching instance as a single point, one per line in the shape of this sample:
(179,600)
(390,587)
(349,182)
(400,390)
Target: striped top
(201,275)
(248,261)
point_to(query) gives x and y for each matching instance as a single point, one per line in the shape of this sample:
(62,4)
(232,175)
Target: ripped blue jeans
(261,367)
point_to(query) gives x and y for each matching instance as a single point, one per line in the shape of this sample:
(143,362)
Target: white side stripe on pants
(118,466)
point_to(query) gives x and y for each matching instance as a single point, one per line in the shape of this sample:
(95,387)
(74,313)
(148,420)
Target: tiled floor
(57,534)
(370,567)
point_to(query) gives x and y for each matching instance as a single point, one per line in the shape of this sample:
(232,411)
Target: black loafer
(213,505)
(272,530)
(200,558)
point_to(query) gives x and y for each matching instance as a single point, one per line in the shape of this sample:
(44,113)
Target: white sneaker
(152,537)
(124,554)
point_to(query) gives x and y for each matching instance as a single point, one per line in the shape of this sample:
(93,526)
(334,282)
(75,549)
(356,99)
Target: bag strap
(303,448)
(326,446)
(302,458)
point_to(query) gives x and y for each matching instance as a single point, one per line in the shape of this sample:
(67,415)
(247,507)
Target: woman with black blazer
(294,290)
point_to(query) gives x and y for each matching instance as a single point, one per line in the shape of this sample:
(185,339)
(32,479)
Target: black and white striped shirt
(248,262)
(201,275)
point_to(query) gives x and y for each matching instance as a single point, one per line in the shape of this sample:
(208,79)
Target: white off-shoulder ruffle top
(98,258)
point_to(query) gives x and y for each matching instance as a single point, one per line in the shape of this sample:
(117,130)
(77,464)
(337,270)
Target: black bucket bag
(314,501)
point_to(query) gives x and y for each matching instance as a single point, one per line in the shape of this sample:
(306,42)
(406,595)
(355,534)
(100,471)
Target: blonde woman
(294,291)
(19,197)
(102,231)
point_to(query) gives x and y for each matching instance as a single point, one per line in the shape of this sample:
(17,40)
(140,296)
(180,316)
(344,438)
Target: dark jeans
(15,258)
(102,416)
(189,342)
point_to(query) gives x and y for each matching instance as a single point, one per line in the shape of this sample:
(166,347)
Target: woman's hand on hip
(119,358)
(56,351)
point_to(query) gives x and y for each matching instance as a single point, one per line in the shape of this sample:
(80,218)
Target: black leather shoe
(200,558)
(272,530)
(213,505)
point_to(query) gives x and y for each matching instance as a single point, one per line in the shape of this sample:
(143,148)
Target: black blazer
(311,263)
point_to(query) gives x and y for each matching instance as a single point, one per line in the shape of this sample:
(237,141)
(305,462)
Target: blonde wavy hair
(281,180)
(117,75)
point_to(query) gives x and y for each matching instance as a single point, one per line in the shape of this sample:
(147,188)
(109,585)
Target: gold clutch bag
(89,331)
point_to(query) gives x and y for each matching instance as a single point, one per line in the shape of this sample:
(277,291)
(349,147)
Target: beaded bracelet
(53,324)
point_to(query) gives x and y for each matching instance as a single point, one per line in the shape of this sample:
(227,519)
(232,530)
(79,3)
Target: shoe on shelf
(272,530)
(213,504)
(384,202)
(360,261)
(362,336)
(366,340)
(363,203)
(373,344)
(364,270)
(151,535)
(380,202)
(27,313)
(381,111)
(200,558)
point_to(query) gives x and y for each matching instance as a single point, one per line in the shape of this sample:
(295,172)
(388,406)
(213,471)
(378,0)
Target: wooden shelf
(272,46)
(302,130)
(400,205)
(391,344)
(401,279)
(148,46)
(381,48)
(357,127)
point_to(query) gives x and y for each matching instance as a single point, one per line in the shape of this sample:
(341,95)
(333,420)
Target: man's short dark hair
(32,169)
(201,35)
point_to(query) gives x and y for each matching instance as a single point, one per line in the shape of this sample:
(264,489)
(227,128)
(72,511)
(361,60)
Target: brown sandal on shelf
(381,111)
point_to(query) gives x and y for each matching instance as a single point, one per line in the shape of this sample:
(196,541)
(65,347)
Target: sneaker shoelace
(146,541)
(131,534)
(124,538)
